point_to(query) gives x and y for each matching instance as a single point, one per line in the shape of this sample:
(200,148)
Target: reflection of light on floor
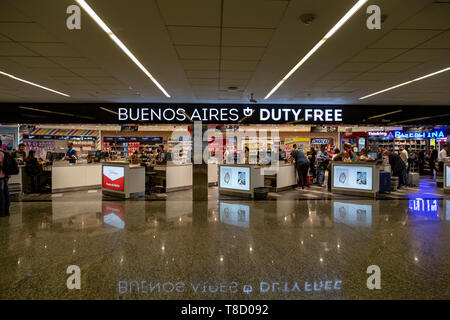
(424,209)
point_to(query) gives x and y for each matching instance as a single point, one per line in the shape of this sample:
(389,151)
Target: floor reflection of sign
(113,178)
(354,214)
(352,177)
(113,215)
(235,214)
(425,208)
(235,177)
(447,209)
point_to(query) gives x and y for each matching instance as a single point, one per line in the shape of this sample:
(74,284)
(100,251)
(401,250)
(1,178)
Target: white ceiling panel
(442,41)
(340,76)
(52,72)
(71,80)
(242,53)
(200,36)
(435,16)
(207,74)
(20,32)
(198,52)
(203,81)
(200,64)
(14,49)
(246,37)
(253,13)
(103,80)
(234,65)
(51,49)
(394,67)
(236,75)
(10,14)
(404,38)
(191,13)
(355,66)
(73,62)
(34,62)
(422,55)
(89,72)
(377,55)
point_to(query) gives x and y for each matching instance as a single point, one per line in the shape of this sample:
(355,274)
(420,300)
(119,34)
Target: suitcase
(414,179)
(385,181)
(310,180)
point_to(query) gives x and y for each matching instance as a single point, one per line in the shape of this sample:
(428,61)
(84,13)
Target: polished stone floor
(218,249)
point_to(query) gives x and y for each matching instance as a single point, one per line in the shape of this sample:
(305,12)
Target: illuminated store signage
(319,141)
(420,135)
(235,178)
(231,114)
(352,177)
(377,133)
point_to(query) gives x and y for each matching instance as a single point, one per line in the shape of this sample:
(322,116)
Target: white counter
(66,177)
(213,173)
(178,177)
(285,176)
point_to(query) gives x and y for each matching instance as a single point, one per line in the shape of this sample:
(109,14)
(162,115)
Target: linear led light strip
(332,31)
(405,83)
(32,83)
(119,43)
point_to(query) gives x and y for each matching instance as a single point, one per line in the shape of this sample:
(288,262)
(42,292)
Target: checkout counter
(360,178)
(240,179)
(446,184)
(75,176)
(283,178)
(121,179)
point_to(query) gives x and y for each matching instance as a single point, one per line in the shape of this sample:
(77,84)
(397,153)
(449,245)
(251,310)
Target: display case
(240,180)
(356,178)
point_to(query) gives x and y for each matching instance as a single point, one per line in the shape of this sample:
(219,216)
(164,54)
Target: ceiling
(197,49)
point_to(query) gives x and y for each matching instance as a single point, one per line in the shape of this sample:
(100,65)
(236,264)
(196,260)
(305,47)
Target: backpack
(10,166)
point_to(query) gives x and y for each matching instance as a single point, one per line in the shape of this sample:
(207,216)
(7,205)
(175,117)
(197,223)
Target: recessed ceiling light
(319,44)
(33,84)
(405,83)
(119,43)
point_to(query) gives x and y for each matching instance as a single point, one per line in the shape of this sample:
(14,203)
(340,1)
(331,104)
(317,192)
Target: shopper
(380,151)
(20,152)
(421,161)
(348,151)
(404,156)
(33,169)
(301,164)
(312,163)
(71,153)
(323,160)
(162,156)
(4,193)
(397,166)
(433,159)
(364,155)
(442,156)
(246,155)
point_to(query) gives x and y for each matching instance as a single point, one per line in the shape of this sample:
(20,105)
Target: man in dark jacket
(302,165)
(397,166)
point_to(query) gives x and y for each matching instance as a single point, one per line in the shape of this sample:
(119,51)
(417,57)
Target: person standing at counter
(312,162)
(348,151)
(33,169)
(302,165)
(442,156)
(433,158)
(162,156)
(323,159)
(397,166)
(380,153)
(20,152)
(71,153)
(364,155)
(4,192)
